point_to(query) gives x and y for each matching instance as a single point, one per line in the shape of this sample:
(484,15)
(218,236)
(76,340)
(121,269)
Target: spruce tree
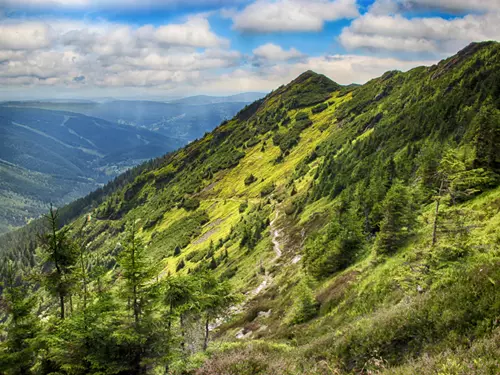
(17,350)
(180,295)
(306,306)
(138,273)
(59,258)
(398,217)
(215,298)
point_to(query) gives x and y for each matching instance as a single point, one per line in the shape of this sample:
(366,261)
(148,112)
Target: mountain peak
(307,74)
(307,89)
(316,78)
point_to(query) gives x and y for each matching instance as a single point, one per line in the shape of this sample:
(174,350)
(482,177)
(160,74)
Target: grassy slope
(413,312)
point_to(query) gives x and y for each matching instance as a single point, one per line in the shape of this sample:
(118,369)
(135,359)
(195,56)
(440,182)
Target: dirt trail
(274,236)
(267,280)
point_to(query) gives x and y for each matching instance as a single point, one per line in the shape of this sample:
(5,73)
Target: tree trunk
(436,215)
(183,333)
(61,304)
(136,307)
(205,342)
(169,325)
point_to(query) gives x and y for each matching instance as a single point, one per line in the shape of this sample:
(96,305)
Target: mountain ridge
(383,199)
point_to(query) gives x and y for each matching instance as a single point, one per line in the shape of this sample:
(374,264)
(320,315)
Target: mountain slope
(60,156)
(360,224)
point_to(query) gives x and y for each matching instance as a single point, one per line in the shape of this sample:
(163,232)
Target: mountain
(67,148)
(357,227)
(51,156)
(186,119)
(246,97)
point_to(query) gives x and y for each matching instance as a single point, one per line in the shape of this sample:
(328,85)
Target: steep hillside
(358,226)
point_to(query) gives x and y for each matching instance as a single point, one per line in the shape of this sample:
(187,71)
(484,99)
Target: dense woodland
(323,230)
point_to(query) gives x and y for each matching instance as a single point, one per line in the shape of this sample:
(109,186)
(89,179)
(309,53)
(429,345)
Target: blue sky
(168,48)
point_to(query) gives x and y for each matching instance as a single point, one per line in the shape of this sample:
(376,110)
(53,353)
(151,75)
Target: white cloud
(28,35)
(103,54)
(273,52)
(453,5)
(292,15)
(112,4)
(431,34)
(344,69)
(195,33)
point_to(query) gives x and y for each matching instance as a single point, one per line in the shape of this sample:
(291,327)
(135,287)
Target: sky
(160,49)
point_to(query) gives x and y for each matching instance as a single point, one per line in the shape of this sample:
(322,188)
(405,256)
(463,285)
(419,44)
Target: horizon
(97,99)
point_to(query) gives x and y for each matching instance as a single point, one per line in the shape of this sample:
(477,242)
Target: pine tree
(59,256)
(306,306)
(177,250)
(487,138)
(398,217)
(180,294)
(17,351)
(216,298)
(138,290)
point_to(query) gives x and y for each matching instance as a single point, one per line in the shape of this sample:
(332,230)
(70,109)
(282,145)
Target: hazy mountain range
(56,151)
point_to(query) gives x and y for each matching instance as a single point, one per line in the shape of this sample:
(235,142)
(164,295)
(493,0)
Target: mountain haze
(185,119)
(60,150)
(357,227)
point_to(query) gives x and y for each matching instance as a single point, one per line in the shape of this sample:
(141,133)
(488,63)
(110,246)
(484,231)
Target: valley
(56,152)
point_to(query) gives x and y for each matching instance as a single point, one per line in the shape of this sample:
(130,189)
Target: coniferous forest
(325,229)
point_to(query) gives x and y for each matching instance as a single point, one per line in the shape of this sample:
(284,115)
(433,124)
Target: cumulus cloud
(59,52)
(344,69)
(453,5)
(428,34)
(28,35)
(273,52)
(195,33)
(112,4)
(292,15)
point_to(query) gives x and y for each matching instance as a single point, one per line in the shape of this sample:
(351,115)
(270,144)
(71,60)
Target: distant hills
(186,119)
(57,151)
(247,97)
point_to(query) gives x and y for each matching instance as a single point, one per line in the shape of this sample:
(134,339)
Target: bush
(229,273)
(180,265)
(306,306)
(319,108)
(250,179)
(301,116)
(299,126)
(268,189)
(252,142)
(243,207)
(286,141)
(190,204)
(259,358)
(334,250)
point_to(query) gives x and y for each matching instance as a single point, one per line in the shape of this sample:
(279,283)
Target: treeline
(71,315)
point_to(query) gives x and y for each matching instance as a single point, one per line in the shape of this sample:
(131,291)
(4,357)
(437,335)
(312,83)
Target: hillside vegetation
(323,230)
